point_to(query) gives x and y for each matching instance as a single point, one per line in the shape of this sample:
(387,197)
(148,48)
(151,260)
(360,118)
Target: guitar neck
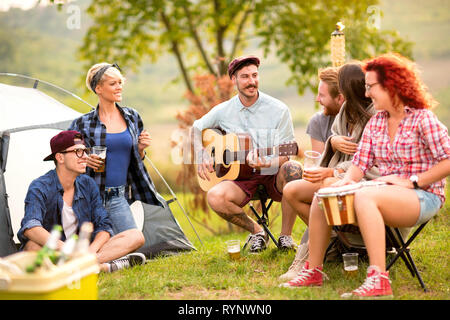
(241,155)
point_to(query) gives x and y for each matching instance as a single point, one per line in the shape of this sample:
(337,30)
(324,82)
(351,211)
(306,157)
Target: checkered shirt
(140,185)
(421,141)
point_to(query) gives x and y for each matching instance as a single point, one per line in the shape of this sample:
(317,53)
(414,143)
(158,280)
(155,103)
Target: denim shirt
(44,203)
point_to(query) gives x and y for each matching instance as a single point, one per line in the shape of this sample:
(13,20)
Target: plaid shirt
(421,141)
(94,134)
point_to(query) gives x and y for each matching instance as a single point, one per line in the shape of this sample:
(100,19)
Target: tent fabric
(7,245)
(28,120)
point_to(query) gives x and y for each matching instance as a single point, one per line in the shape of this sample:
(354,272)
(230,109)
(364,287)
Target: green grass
(209,274)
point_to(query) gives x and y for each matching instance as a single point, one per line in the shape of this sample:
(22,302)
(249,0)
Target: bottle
(48,251)
(84,241)
(67,250)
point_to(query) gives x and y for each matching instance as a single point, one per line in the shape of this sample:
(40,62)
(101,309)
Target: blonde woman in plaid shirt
(125,178)
(411,149)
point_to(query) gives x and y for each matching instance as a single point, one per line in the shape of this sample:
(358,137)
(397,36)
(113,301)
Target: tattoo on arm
(292,171)
(239,219)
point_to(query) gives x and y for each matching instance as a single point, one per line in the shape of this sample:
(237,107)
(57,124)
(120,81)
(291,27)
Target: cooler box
(74,280)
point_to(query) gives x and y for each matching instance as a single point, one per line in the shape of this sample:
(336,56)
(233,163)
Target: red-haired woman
(412,151)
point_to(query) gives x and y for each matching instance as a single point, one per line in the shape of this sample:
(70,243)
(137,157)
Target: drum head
(338,191)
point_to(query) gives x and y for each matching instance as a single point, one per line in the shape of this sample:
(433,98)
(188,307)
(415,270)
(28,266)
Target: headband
(99,74)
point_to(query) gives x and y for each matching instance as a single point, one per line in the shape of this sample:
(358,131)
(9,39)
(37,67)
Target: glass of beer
(350,263)
(100,152)
(312,160)
(234,249)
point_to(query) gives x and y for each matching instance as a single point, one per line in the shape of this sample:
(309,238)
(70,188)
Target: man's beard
(241,91)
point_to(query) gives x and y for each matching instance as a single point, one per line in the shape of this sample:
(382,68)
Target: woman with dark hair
(346,132)
(411,149)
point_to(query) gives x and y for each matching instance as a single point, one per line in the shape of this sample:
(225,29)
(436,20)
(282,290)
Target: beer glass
(312,160)
(350,263)
(234,249)
(100,152)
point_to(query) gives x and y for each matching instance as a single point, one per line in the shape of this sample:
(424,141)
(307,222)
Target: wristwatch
(414,179)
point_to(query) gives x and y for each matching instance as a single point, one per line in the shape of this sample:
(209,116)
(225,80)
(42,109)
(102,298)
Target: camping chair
(262,218)
(395,244)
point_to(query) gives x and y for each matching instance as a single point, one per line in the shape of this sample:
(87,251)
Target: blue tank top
(118,154)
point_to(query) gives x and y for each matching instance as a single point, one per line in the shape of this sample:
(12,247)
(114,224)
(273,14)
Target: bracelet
(145,153)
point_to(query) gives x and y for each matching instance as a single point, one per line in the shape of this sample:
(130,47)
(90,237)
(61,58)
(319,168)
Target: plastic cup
(100,152)
(234,249)
(350,263)
(312,160)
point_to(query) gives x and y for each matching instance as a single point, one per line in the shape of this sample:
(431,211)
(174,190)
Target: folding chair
(262,218)
(402,250)
(394,244)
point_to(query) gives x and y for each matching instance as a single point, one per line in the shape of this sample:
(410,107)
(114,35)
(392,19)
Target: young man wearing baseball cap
(268,121)
(67,197)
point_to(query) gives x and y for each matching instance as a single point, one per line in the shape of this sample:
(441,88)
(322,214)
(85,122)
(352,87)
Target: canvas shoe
(257,242)
(286,243)
(377,284)
(127,261)
(307,278)
(299,261)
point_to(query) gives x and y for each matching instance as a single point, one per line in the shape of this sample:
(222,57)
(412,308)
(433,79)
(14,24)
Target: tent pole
(173,195)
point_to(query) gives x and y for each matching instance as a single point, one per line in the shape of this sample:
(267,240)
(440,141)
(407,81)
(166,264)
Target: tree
(204,35)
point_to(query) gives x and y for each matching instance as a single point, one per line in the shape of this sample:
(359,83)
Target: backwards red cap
(62,141)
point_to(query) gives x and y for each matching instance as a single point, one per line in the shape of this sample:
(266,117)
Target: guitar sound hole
(227,157)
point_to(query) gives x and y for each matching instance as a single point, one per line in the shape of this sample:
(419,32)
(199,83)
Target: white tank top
(69,221)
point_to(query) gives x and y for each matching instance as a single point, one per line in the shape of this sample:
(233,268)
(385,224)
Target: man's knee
(215,198)
(134,237)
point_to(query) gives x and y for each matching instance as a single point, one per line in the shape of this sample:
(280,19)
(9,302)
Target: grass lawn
(209,274)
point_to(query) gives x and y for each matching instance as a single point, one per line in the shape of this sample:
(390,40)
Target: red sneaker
(377,284)
(306,278)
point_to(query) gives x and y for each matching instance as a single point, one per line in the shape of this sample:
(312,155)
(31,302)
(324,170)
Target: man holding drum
(412,150)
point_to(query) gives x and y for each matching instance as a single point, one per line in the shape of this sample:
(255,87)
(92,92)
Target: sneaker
(127,261)
(377,284)
(257,242)
(299,261)
(286,243)
(306,278)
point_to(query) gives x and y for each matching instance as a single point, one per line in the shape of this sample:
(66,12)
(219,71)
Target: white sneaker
(286,243)
(299,261)
(257,242)
(127,261)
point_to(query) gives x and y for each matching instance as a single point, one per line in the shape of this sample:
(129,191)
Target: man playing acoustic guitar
(268,122)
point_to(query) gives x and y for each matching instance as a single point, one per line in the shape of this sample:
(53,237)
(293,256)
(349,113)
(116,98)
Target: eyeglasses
(79,152)
(369,86)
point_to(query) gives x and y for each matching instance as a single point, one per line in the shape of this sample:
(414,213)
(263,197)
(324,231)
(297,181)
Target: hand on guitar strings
(257,162)
(205,165)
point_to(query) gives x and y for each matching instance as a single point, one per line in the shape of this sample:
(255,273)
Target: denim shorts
(429,205)
(118,209)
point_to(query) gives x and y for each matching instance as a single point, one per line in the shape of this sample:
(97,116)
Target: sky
(24,4)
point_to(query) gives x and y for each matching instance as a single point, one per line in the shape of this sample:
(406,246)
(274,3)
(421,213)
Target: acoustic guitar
(229,152)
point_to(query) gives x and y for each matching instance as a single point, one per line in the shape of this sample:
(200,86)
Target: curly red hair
(400,77)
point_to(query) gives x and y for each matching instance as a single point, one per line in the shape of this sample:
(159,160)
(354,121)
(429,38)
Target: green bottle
(49,250)
(67,249)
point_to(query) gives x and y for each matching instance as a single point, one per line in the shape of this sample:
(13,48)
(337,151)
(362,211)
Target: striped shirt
(138,179)
(421,141)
